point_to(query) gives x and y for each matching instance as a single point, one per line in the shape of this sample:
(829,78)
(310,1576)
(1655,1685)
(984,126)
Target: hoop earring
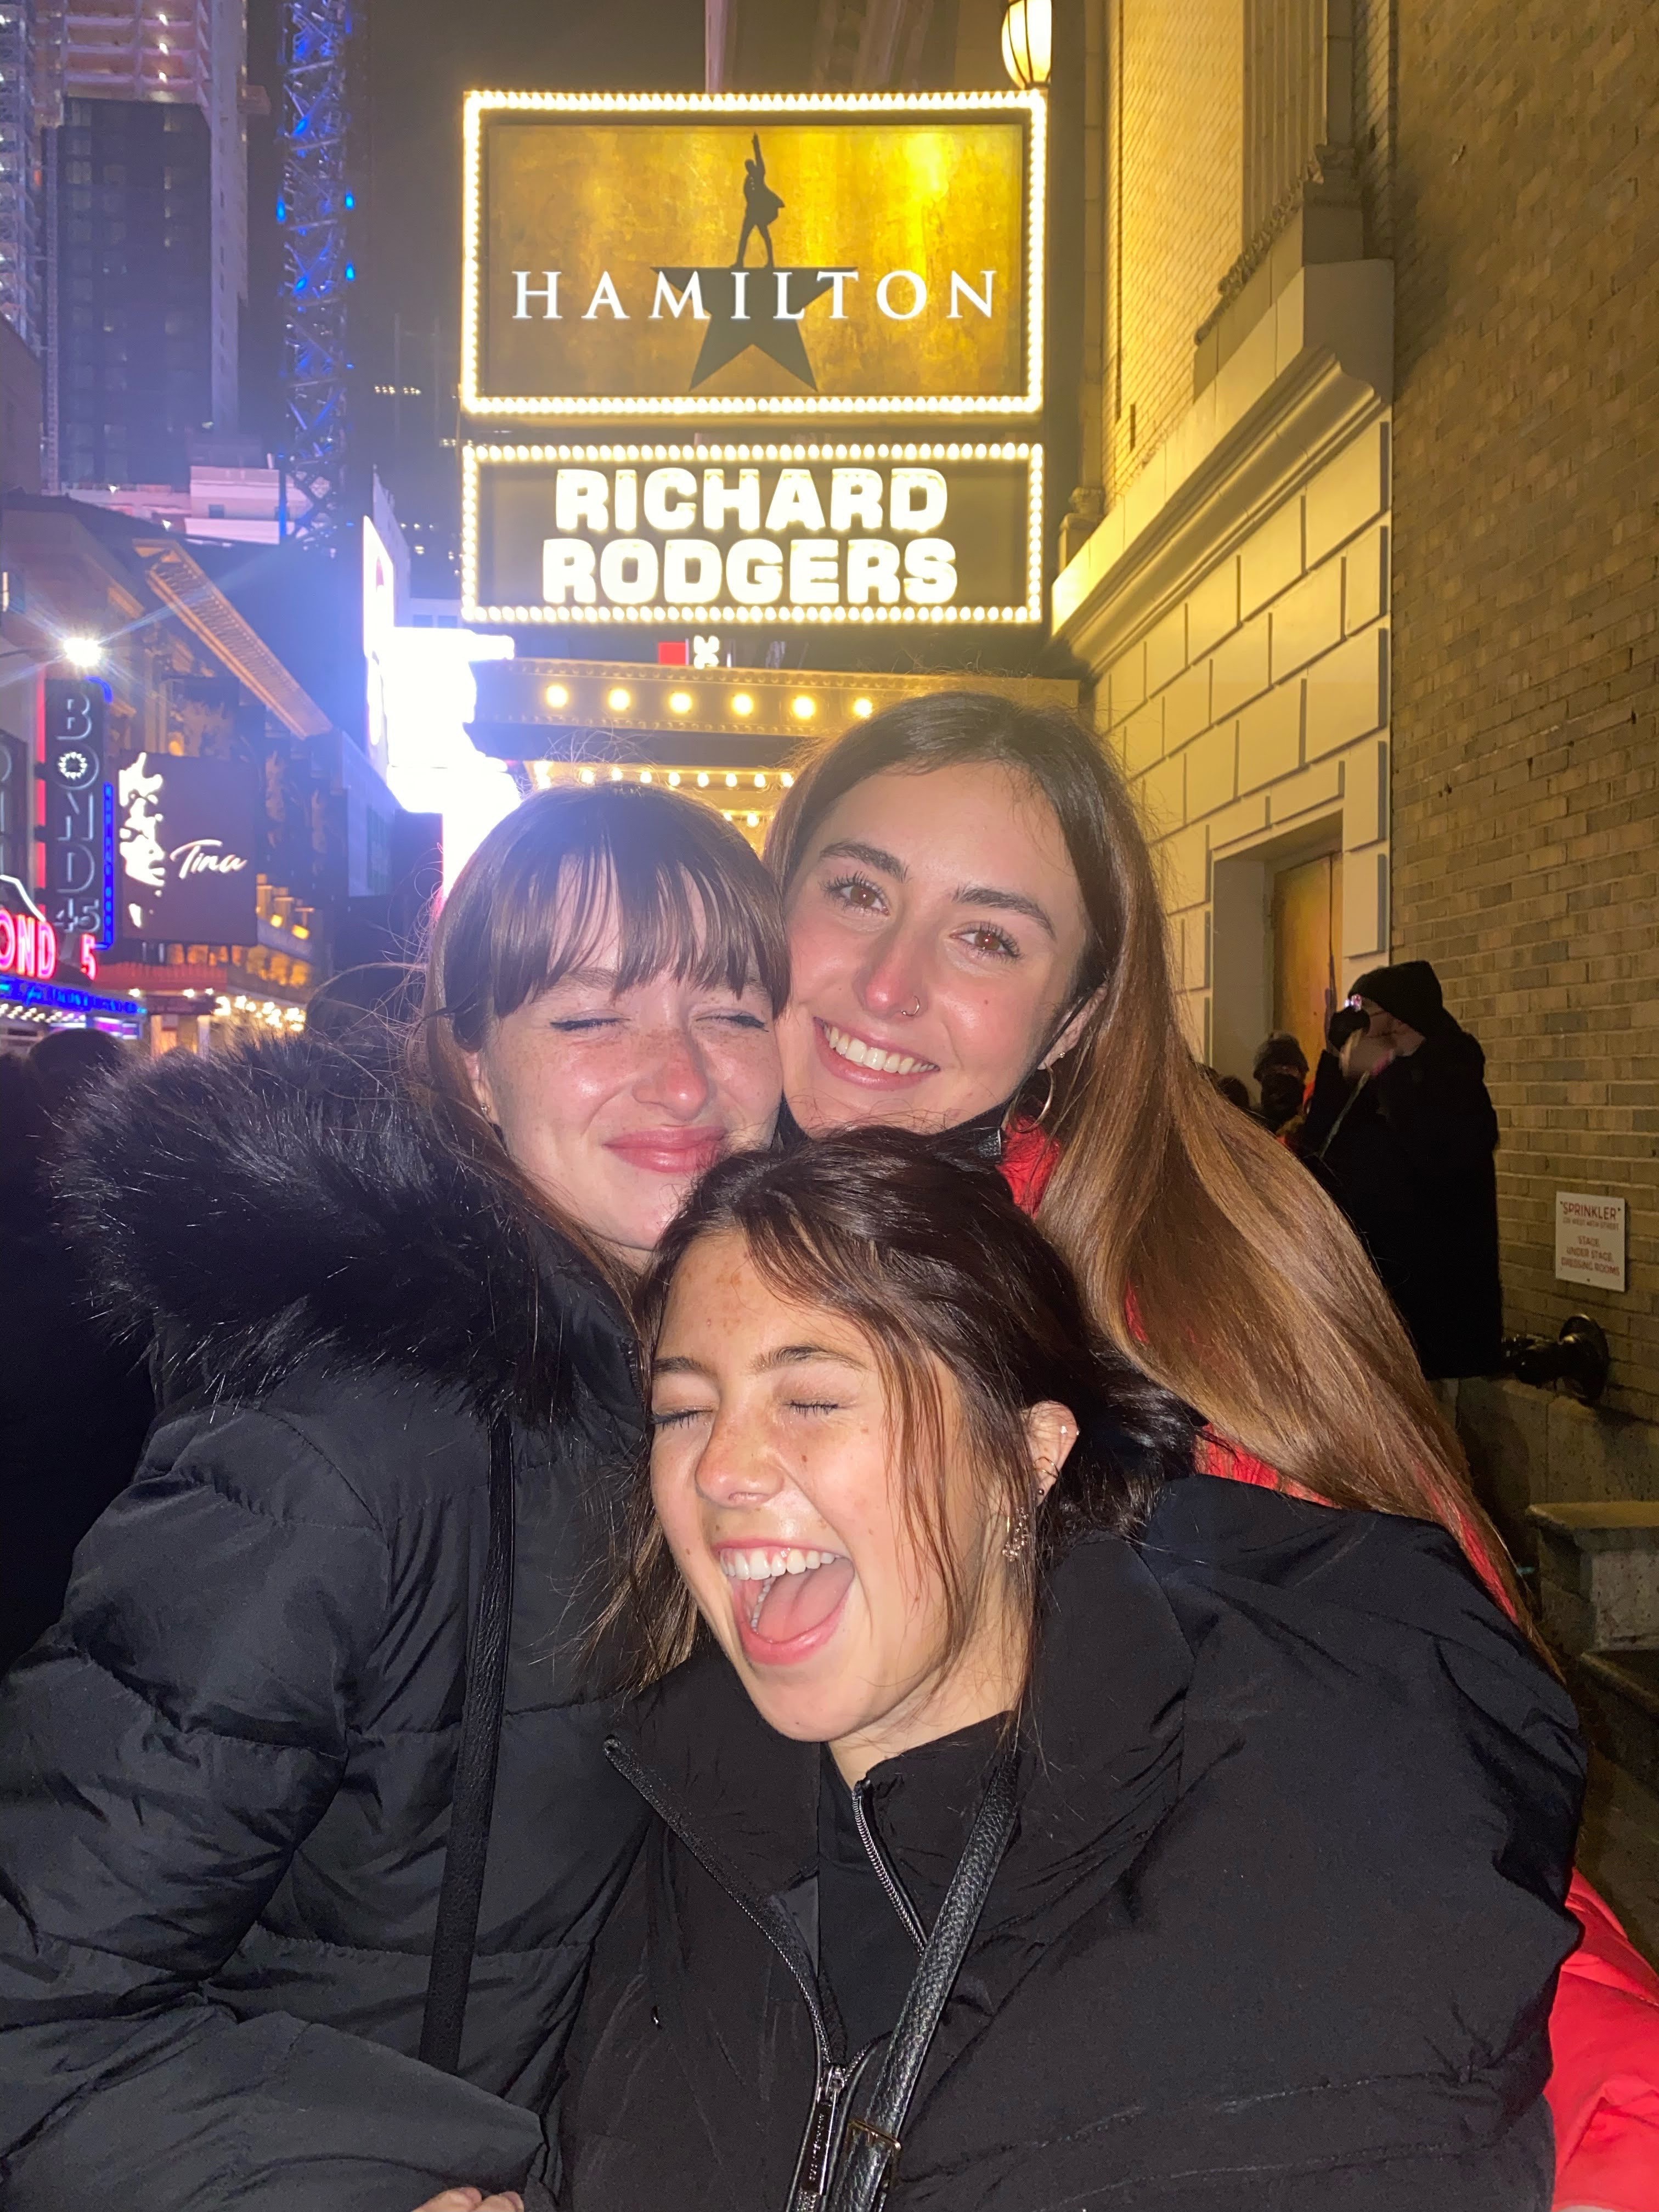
(1018,1528)
(1038,1119)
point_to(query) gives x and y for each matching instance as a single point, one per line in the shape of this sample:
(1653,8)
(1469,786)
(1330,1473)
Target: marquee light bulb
(802,709)
(616,775)
(587,775)
(730,782)
(786,780)
(674,778)
(864,708)
(742,703)
(646,775)
(618,700)
(703,779)
(680,701)
(557,696)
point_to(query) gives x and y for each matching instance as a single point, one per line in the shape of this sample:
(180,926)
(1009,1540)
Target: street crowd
(777,1561)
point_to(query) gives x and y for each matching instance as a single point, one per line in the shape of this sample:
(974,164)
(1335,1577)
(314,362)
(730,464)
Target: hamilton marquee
(830,255)
(870,533)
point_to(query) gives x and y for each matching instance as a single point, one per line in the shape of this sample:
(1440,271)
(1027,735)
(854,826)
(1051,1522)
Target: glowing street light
(1028,41)
(84,653)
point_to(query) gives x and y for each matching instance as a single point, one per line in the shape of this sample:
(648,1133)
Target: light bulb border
(476,457)
(1032,103)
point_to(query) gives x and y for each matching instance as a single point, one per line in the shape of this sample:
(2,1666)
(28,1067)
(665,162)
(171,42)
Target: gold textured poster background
(583,198)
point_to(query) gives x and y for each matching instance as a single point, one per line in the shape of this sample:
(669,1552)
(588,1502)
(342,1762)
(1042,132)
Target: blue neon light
(24,991)
(107,935)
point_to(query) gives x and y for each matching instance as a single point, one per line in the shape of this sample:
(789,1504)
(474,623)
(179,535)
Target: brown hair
(532,904)
(941,1273)
(1205,1250)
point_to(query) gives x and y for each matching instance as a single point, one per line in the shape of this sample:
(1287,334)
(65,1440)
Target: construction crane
(315,213)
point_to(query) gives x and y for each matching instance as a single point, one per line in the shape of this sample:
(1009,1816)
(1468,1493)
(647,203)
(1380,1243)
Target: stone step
(1618,1698)
(1598,1574)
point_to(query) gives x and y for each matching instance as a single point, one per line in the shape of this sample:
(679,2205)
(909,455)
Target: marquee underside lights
(813,255)
(741,721)
(730,535)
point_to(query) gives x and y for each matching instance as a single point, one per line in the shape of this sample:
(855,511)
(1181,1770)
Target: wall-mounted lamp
(1027,40)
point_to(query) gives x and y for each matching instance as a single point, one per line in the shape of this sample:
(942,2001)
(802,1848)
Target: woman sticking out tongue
(1226,1833)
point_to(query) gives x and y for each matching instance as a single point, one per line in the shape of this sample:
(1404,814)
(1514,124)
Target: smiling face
(777,1484)
(613,1102)
(936,928)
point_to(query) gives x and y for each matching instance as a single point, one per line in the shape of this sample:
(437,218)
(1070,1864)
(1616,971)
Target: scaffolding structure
(315,215)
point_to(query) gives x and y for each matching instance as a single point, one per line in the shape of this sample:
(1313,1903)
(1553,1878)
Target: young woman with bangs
(979,953)
(1039,1823)
(306,1825)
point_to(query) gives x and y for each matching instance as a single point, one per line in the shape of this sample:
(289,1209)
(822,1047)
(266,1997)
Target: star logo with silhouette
(759,307)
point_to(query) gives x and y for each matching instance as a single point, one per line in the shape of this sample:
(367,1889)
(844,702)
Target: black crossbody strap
(872,2142)
(474,1794)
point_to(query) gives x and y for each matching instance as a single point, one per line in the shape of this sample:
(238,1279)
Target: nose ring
(906,1014)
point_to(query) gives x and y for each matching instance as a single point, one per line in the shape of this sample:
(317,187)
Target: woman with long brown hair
(305,1826)
(1039,1822)
(979,951)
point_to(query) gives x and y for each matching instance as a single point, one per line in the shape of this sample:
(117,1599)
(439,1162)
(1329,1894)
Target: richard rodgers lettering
(802,535)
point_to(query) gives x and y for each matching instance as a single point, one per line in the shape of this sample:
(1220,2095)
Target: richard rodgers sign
(712,533)
(797,254)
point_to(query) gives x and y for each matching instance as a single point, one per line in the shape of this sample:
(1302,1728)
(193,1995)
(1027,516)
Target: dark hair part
(534,902)
(944,1277)
(1206,1251)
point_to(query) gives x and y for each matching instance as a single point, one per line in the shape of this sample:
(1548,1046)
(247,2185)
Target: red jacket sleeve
(1604,2092)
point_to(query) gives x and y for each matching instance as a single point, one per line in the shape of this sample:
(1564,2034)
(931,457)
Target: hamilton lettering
(898,295)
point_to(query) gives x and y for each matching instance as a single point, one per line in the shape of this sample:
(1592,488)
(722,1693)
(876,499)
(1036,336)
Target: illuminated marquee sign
(79,891)
(732,534)
(28,945)
(187,828)
(805,254)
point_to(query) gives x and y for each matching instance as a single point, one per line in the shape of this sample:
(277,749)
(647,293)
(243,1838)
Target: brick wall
(1252,713)
(1525,587)
(1175,88)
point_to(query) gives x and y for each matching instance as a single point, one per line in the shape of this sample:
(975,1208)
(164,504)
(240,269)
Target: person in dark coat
(1279,1922)
(225,1776)
(74,1408)
(1401,1131)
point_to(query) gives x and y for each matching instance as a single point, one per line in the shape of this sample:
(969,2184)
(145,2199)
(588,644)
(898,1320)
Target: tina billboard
(710,533)
(784,254)
(187,830)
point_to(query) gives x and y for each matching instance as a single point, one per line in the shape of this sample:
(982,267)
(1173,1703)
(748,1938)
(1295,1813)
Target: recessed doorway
(1307,948)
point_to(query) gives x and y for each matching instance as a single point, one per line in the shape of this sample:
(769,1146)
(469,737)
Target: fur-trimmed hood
(288,1204)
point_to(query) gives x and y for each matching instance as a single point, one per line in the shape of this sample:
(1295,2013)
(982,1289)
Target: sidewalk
(1618,1850)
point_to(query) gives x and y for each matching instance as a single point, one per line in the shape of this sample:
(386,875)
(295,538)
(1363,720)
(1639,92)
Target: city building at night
(192,720)
(146,246)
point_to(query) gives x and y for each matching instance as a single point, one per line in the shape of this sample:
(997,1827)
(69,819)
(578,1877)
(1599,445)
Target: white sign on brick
(1589,1240)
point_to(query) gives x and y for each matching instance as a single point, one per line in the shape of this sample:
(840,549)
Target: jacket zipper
(884,1873)
(833,2082)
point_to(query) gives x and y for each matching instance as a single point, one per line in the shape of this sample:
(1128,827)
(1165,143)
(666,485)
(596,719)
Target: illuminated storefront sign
(28,946)
(734,534)
(64,998)
(186,829)
(79,854)
(827,254)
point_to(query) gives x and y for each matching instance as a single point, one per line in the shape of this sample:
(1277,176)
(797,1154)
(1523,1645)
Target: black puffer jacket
(1409,1159)
(1278,1930)
(225,1776)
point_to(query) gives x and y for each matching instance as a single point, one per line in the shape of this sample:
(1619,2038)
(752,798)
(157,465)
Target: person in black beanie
(1401,1131)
